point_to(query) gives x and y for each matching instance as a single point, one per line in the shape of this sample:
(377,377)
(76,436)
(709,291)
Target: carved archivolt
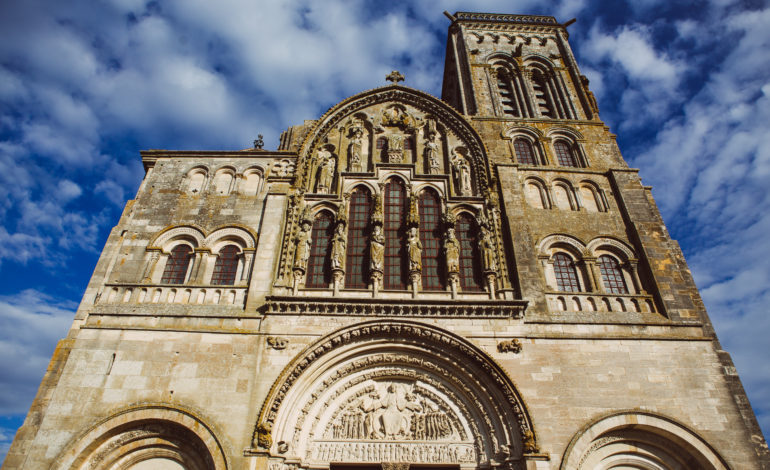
(357,396)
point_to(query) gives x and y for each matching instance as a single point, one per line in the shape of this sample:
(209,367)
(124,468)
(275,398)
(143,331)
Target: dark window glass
(395,235)
(408,143)
(564,154)
(382,142)
(176,266)
(524,152)
(467,232)
(566,274)
(318,264)
(226,266)
(357,259)
(430,237)
(612,276)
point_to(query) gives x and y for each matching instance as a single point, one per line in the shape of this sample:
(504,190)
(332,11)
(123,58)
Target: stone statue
(452,251)
(487,246)
(327,164)
(355,150)
(414,249)
(462,174)
(339,242)
(395,148)
(302,252)
(377,249)
(431,153)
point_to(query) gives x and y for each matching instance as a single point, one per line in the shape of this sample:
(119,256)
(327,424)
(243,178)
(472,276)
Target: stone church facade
(479,281)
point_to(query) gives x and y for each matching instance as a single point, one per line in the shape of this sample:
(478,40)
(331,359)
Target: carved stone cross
(395,77)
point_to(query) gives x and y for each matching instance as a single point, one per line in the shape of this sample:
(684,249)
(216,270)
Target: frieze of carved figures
(398,117)
(394,452)
(462,174)
(277,342)
(512,346)
(326,166)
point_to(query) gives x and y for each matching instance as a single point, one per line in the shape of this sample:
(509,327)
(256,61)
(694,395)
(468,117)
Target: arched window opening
(357,258)
(525,154)
(467,232)
(542,95)
(395,235)
(318,269)
(507,99)
(564,154)
(612,275)
(226,266)
(176,265)
(566,273)
(430,237)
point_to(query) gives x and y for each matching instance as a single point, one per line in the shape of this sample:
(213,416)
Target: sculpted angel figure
(414,248)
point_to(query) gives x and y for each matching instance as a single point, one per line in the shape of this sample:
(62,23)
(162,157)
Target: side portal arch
(394,391)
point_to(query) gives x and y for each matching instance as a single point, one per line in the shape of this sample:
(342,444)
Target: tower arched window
(612,275)
(565,155)
(543,98)
(176,265)
(507,98)
(318,270)
(395,234)
(226,266)
(430,237)
(525,154)
(357,257)
(566,273)
(467,230)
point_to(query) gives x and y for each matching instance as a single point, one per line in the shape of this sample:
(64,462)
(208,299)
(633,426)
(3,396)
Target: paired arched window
(226,266)
(467,230)
(177,264)
(318,272)
(430,237)
(565,154)
(566,273)
(395,202)
(525,154)
(357,257)
(612,275)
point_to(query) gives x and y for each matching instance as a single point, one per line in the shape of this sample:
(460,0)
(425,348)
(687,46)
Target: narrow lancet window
(357,261)
(524,152)
(430,237)
(467,231)
(318,271)
(177,264)
(226,266)
(566,273)
(395,234)
(612,275)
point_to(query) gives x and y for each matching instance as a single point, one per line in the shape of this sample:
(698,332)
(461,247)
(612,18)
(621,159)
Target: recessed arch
(330,390)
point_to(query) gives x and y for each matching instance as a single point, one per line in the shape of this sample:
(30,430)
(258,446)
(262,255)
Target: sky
(86,85)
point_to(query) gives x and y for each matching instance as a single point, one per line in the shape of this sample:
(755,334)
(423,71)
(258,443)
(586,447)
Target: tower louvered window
(612,276)
(566,273)
(564,154)
(430,237)
(226,266)
(357,258)
(395,235)
(318,265)
(467,231)
(543,99)
(507,98)
(524,152)
(177,264)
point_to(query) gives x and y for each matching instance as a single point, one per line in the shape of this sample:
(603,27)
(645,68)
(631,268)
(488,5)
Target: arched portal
(394,391)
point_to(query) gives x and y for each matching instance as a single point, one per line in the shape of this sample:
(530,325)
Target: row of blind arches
(396,270)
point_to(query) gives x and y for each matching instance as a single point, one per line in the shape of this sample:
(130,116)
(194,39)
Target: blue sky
(85,85)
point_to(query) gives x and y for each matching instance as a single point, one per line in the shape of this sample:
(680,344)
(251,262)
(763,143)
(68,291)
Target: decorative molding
(365,307)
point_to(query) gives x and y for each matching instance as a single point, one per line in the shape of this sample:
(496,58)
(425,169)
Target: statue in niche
(339,242)
(302,251)
(414,249)
(432,155)
(326,164)
(487,246)
(395,148)
(377,249)
(355,149)
(462,174)
(452,251)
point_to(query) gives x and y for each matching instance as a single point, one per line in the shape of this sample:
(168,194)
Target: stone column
(151,263)
(248,255)
(593,276)
(632,266)
(199,265)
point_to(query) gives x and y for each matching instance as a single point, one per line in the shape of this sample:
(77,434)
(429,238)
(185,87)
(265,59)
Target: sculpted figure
(431,152)
(354,150)
(339,241)
(488,250)
(414,248)
(377,248)
(452,251)
(302,252)
(462,175)
(327,165)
